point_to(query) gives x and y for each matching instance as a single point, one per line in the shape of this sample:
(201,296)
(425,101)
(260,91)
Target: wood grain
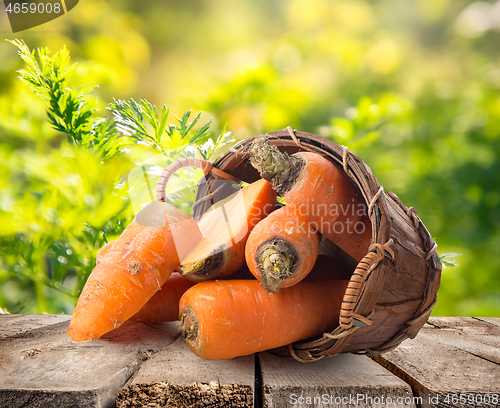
(150,365)
(19,324)
(343,380)
(42,367)
(450,356)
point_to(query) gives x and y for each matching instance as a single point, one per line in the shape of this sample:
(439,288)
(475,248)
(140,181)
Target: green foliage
(132,118)
(69,110)
(447,262)
(70,200)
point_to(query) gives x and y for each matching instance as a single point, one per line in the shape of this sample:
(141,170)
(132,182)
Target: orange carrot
(282,249)
(322,193)
(133,269)
(225,228)
(164,305)
(229,318)
(103,251)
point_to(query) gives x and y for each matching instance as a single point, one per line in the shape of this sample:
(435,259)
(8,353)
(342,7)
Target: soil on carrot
(134,267)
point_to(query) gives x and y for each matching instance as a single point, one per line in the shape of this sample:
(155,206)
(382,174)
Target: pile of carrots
(167,267)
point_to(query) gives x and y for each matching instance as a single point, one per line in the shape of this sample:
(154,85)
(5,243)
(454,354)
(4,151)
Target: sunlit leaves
(369,120)
(142,122)
(448,260)
(69,110)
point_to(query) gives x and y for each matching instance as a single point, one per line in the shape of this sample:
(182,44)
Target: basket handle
(376,253)
(205,165)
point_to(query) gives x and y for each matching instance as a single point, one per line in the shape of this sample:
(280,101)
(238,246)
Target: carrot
(225,228)
(133,269)
(282,249)
(229,318)
(164,305)
(322,193)
(103,251)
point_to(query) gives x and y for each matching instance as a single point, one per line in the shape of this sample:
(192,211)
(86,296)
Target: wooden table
(452,362)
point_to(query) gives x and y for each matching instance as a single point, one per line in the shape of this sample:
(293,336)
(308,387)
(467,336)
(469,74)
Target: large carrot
(103,251)
(225,228)
(282,249)
(164,305)
(322,193)
(229,318)
(131,270)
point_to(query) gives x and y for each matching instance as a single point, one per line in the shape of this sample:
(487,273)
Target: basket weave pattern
(393,288)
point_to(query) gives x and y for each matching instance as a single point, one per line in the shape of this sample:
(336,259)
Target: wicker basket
(396,282)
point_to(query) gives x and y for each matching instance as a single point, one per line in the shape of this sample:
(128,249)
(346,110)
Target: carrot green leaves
(73,111)
(69,110)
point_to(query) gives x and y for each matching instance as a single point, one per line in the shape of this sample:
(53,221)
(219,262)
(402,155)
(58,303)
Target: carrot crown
(280,169)
(189,325)
(277,260)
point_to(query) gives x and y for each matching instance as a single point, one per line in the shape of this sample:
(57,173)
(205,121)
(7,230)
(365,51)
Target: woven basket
(395,284)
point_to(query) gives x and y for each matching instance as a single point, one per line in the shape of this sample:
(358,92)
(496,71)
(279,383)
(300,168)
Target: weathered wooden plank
(470,325)
(452,362)
(341,381)
(7,317)
(492,320)
(474,336)
(15,325)
(175,377)
(42,367)
(484,329)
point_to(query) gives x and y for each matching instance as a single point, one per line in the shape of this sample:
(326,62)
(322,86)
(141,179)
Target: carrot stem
(189,324)
(280,169)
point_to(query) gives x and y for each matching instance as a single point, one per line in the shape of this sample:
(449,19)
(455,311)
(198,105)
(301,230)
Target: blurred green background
(411,86)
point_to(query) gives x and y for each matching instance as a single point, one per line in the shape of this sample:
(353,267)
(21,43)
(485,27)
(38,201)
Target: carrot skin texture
(133,270)
(164,305)
(103,251)
(238,317)
(283,226)
(225,228)
(329,201)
